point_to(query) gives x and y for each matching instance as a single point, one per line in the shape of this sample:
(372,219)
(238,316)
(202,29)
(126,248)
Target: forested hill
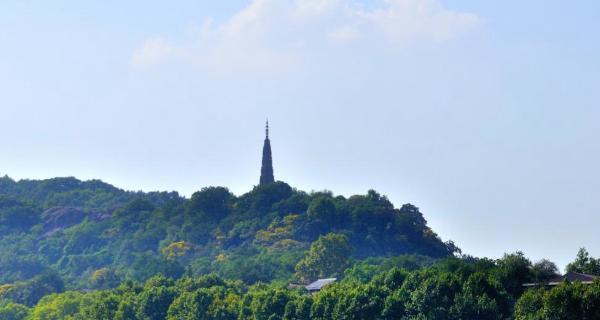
(82,250)
(90,234)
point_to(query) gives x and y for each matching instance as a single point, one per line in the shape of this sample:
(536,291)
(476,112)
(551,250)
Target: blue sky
(484,114)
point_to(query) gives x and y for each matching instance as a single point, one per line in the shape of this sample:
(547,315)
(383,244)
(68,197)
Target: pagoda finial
(267,129)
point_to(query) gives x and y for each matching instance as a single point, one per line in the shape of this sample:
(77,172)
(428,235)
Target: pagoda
(266,170)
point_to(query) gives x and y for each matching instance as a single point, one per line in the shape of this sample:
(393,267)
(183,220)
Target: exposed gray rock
(60,218)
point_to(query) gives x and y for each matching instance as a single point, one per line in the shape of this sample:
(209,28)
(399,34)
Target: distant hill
(80,229)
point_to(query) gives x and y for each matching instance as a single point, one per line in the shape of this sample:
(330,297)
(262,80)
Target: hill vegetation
(85,230)
(75,249)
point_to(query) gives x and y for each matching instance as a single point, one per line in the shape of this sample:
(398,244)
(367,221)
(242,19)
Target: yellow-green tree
(176,250)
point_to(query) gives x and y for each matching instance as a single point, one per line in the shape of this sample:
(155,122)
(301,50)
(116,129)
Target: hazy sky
(482,113)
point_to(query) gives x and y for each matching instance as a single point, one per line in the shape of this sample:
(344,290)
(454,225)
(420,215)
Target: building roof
(572,277)
(319,284)
(569,277)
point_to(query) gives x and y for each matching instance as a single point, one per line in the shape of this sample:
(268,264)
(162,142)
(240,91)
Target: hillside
(80,229)
(84,250)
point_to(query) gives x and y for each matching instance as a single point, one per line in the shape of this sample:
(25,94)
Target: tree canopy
(83,250)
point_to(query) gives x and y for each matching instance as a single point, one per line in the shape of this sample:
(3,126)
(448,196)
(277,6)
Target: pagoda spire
(266,170)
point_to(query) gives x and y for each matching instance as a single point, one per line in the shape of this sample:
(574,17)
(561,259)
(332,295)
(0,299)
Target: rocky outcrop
(59,218)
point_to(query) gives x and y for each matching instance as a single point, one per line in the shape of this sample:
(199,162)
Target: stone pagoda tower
(266,170)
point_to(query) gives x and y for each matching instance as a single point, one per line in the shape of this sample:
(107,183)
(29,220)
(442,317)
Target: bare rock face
(99,216)
(59,218)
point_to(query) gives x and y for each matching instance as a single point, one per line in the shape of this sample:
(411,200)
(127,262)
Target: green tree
(564,302)
(584,263)
(322,215)
(530,305)
(17,214)
(214,202)
(482,297)
(13,311)
(298,308)
(30,292)
(325,302)
(393,306)
(269,303)
(327,257)
(103,306)
(513,271)
(59,306)
(154,302)
(365,302)
(127,308)
(591,301)
(104,278)
(433,295)
(191,306)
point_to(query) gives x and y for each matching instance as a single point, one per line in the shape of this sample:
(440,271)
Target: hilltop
(79,229)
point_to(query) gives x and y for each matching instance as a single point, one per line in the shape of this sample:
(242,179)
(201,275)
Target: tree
(530,305)
(17,214)
(591,301)
(544,270)
(322,215)
(514,270)
(433,296)
(191,306)
(154,302)
(13,311)
(104,278)
(393,306)
(103,305)
(59,306)
(176,250)
(482,297)
(126,310)
(564,302)
(326,301)
(262,198)
(213,202)
(269,303)
(364,302)
(30,292)
(584,263)
(393,279)
(298,308)
(327,257)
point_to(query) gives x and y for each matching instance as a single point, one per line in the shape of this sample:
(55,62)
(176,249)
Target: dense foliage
(92,235)
(87,250)
(565,301)
(381,288)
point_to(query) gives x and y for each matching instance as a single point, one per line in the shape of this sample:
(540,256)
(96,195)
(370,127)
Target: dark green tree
(154,302)
(213,202)
(544,270)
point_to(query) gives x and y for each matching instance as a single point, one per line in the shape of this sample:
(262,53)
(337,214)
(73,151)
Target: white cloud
(402,20)
(154,50)
(313,8)
(274,33)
